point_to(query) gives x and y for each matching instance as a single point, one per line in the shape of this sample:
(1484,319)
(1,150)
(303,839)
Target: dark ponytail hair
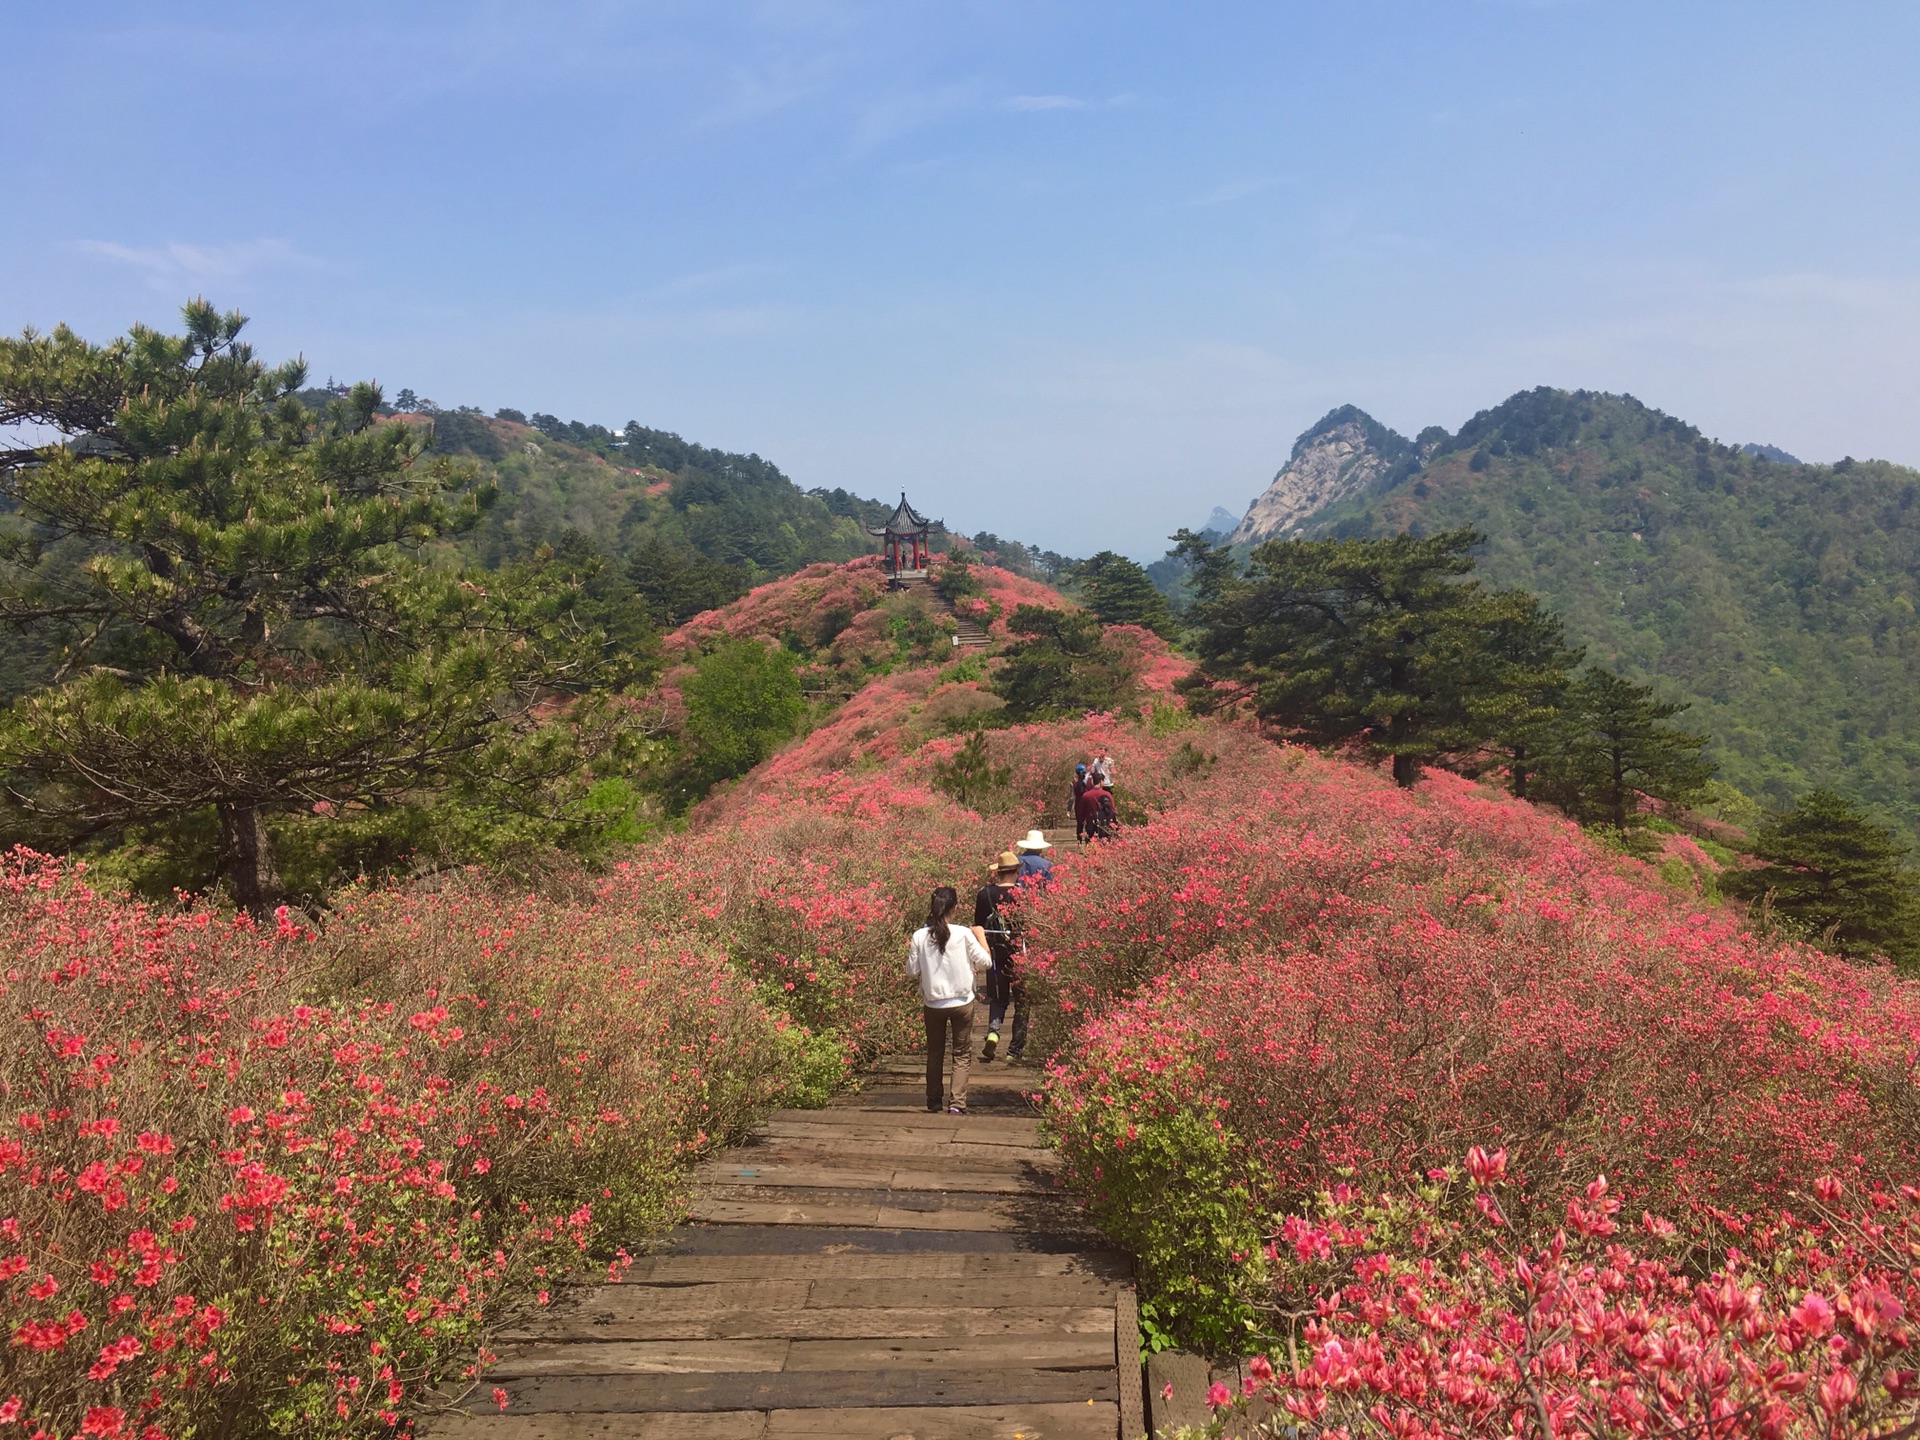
(945,897)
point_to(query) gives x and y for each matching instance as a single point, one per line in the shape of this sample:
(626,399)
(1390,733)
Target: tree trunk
(1406,770)
(1518,772)
(246,859)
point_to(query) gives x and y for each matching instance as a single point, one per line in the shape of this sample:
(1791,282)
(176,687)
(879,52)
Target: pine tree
(1528,650)
(1119,592)
(1385,644)
(1841,876)
(1058,667)
(971,778)
(1610,744)
(249,624)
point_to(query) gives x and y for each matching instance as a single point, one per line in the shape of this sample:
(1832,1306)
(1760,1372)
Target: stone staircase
(967,634)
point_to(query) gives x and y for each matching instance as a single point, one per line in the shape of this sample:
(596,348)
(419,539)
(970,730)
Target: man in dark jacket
(1094,814)
(995,925)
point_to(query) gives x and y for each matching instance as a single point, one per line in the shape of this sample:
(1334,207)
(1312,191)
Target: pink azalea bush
(1302,975)
(1421,1314)
(793,603)
(1007,592)
(262,1181)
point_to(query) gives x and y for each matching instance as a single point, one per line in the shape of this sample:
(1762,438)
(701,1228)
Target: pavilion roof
(906,520)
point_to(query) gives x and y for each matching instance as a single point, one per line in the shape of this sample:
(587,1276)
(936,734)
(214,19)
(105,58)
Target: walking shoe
(933,1109)
(993,1042)
(956,1109)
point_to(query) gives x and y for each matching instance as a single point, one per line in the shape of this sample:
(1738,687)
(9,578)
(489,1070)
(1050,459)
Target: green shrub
(814,1067)
(1166,719)
(972,778)
(1167,1192)
(743,700)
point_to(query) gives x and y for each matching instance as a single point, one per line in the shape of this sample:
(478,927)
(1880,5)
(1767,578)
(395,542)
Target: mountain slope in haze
(1778,598)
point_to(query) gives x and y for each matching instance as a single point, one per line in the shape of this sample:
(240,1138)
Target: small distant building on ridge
(906,535)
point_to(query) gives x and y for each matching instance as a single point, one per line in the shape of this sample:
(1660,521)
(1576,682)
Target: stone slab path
(867,1271)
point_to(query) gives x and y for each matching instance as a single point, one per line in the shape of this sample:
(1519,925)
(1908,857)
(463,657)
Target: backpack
(1104,820)
(1003,938)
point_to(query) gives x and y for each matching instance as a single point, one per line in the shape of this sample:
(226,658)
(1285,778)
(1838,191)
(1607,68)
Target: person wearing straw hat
(1036,865)
(995,926)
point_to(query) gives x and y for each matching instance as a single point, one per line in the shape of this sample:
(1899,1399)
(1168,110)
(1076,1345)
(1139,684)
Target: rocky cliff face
(1347,453)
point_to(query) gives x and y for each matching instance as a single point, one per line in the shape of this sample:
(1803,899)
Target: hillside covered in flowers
(1442,1117)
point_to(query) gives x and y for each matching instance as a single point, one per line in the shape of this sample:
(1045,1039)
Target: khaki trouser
(959,1020)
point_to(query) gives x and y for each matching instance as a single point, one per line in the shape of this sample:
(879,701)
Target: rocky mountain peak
(1347,453)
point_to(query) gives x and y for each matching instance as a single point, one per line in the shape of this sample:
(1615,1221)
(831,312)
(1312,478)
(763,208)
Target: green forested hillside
(624,490)
(1778,598)
(683,526)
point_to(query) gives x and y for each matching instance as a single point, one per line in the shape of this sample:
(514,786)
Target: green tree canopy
(1527,647)
(1119,592)
(953,578)
(1610,744)
(245,618)
(743,700)
(679,583)
(1840,875)
(1058,667)
(1385,644)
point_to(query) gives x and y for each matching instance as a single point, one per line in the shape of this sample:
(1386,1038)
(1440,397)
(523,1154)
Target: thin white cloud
(1234,190)
(1045,102)
(704,282)
(758,94)
(894,116)
(170,266)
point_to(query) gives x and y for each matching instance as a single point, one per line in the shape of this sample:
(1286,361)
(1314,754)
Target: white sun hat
(1034,841)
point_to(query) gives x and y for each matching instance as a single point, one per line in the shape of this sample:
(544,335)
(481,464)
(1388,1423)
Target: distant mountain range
(1778,598)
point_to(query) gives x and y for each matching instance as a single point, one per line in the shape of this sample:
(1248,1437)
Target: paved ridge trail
(867,1271)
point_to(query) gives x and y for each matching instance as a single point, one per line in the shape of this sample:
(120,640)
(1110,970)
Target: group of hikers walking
(1093,813)
(948,959)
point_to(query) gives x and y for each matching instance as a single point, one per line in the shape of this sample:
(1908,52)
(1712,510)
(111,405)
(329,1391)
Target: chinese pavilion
(906,534)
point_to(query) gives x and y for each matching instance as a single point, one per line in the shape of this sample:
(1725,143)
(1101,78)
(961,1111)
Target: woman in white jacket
(944,959)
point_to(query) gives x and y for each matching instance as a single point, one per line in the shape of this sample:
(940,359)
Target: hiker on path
(1036,865)
(1094,813)
(944,959)
(1080,784)
(995,927)
(1101,769)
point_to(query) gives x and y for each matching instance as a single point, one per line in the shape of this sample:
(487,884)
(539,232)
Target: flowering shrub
(812,888)
(1334,979)
(845,612)
(800,604)
(265,1181)
(1148,658)
(1418,1314)
(1007,592)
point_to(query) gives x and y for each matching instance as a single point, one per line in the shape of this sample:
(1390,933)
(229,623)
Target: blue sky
(1071,272)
